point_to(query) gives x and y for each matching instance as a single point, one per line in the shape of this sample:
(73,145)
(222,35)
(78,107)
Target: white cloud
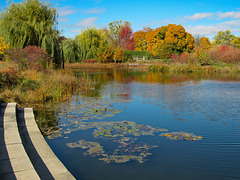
(202,29)
(64,11)
(94,11)
(214,29)
(198,16)
(87,22)
(233,23)
(234,15)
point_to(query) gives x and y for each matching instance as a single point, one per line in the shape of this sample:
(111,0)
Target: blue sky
(197,16)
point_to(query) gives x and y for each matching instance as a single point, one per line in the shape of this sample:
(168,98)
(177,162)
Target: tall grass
(38,88)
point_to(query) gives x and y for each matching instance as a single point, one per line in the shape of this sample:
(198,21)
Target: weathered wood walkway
(24,153)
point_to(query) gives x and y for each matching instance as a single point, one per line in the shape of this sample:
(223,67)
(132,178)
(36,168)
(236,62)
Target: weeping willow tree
(31,22)
(89,41)
(70,50)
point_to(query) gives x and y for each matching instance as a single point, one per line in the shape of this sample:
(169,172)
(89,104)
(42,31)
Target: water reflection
(179,93)
(204,105)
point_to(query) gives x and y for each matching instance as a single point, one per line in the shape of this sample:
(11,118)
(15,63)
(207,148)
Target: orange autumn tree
(139,37)
(169,39)
(156,40)
(205,44)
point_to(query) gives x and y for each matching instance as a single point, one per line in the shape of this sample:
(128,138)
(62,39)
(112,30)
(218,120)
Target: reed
(35,88)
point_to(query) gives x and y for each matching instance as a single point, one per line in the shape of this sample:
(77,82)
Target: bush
(225,53)
(18,56)
(31,57)
(3,47)
(119,55)
(104,54)
(37,58)
(181,58)
(198,57)
(9,78)
(29,84)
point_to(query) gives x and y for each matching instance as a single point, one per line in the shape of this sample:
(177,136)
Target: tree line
(34,23)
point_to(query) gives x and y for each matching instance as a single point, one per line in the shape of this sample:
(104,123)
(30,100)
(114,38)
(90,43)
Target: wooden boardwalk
(24,153)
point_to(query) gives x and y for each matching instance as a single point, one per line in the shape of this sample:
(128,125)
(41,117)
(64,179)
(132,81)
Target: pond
(140,125)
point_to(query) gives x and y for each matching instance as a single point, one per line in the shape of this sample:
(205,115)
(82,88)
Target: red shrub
(182,58)
(37,58)
(8,77)
(225,53)
(31,57)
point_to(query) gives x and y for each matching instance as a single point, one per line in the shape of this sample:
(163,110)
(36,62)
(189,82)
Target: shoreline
(154,66)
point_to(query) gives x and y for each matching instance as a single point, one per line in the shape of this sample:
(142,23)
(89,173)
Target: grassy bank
(96,65)
(185,68)
(163,66)
(39,88)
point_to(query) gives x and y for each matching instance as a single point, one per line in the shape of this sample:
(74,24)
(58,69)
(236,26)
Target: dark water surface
(205,105)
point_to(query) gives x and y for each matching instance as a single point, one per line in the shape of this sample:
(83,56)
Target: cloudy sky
(197,16)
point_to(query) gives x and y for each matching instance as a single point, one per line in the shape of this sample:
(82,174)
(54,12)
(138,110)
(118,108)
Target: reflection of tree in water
(181,93)
(47,121)
(208,100)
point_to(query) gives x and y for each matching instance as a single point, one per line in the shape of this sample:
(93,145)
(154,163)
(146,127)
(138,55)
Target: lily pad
(182,135)
(94,148)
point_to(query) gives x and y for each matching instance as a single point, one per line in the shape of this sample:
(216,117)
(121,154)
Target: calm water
(207,106)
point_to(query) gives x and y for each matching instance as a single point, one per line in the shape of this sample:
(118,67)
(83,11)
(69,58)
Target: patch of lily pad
(77,116)
(124,135)
(96,150)
(124,128)
(122,158)
(181,136)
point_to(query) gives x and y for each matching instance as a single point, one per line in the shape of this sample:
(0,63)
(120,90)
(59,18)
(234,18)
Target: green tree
(89,41)
(70,50)
(31,22)
(223,37)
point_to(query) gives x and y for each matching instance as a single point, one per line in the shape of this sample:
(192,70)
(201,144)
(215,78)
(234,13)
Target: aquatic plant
(182,135)
(124,135)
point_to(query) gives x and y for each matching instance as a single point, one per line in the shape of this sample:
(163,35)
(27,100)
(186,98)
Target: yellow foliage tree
(119,56)
(205,44)
(3,45)
(236,42)
(169,39)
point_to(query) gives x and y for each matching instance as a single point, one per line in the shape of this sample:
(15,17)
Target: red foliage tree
(126,38)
